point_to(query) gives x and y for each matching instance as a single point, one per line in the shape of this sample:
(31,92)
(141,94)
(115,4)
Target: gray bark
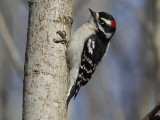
(45,77)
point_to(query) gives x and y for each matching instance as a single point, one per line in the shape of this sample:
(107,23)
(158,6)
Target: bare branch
(152,115)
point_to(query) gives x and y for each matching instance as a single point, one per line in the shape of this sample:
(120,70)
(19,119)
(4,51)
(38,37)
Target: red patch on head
(113,23)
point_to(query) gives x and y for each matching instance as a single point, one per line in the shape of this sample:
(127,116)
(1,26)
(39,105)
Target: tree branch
(152,115)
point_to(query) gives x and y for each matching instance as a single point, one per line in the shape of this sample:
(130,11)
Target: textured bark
(45,77)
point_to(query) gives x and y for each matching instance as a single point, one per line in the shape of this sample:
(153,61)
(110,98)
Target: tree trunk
(45,75)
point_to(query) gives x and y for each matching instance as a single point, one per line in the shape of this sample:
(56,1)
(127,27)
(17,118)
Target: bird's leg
(63,36)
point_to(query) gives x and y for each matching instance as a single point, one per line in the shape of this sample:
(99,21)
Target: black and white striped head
(104,23)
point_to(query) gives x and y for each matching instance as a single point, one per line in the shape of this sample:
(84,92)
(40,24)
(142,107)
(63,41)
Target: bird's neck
(103,37)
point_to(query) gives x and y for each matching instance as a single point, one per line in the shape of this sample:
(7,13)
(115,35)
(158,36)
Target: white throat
(92,24)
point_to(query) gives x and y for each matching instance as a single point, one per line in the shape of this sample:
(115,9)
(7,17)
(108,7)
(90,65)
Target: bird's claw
(63,36)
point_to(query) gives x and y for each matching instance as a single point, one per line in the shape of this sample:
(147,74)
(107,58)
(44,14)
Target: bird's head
(104,22)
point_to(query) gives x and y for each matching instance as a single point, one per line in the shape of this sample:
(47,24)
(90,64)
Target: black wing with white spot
(92,54)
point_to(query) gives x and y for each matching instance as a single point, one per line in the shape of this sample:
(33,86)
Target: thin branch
(152,115)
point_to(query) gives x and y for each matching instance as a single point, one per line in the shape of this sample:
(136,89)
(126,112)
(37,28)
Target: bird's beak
(94,14)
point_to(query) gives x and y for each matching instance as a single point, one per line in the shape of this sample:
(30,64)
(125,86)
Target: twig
(152,115)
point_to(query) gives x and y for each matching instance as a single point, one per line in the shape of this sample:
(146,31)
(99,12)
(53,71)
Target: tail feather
(76,91)
(73,92)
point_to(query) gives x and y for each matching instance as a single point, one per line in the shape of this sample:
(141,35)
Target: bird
(86,49)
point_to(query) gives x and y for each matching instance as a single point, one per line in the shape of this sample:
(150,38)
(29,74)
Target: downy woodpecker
(87,48)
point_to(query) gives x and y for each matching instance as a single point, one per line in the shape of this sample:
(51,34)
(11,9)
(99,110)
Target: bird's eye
(101,22)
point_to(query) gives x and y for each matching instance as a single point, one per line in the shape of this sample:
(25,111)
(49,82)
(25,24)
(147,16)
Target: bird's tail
(73,92)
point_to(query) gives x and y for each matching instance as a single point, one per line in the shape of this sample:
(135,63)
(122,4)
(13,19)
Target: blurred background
(125,86)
